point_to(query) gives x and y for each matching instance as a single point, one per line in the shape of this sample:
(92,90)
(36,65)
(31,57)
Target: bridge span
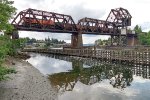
(42,21)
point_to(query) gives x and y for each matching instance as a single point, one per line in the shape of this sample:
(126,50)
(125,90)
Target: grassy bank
(7,48)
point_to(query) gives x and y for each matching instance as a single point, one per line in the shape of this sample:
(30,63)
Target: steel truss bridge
(115,25)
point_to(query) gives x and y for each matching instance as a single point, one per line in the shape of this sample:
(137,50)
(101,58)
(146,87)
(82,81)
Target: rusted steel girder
(38,20)
(120,17)
(95,26)
(43,21)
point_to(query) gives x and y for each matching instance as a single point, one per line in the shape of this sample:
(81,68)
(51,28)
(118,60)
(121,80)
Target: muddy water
(87,79)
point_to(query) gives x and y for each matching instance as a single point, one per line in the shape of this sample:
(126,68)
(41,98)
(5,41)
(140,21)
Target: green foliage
(138,29)
(4,44)
(144,37)
(28,40)
(54,41)
(99,42)
(4,71)
(21,42)
(103,42)
(7,47)
(6,13)
(51,42)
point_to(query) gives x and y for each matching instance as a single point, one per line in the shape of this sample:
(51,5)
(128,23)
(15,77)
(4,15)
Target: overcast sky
(98,9)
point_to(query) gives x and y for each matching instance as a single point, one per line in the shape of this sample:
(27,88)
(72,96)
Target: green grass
(4,71)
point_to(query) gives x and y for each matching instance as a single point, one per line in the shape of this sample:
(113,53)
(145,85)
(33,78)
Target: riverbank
(27,84)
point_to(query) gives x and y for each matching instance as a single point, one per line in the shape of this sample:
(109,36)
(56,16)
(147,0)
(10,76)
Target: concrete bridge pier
(76,40)
(132,40)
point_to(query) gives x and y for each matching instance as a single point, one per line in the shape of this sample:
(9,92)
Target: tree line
(143,37)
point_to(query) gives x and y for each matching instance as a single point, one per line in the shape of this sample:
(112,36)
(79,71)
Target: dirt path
(27,84)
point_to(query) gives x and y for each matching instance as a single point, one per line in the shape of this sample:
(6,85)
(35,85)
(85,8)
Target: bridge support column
(76,40)
(132,40)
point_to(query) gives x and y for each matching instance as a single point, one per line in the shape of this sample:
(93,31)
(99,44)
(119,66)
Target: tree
(103,42)
(144,37)
(138,29)
(7,11)
(48,39)
(6,44)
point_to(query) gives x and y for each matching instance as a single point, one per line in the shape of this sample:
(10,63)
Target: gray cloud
(52,1)
(78,11)
(145,26)
(43,35)
(47,65)
(34,1)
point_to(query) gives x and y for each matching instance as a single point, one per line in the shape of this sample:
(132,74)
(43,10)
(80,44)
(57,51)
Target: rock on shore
(27,84)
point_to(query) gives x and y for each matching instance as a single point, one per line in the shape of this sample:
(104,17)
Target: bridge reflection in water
(119,75)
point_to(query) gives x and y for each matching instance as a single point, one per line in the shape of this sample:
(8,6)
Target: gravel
(27,84)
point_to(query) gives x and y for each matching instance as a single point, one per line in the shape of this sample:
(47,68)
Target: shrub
(6,48)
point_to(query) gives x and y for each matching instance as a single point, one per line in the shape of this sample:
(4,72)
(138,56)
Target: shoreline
(27,84)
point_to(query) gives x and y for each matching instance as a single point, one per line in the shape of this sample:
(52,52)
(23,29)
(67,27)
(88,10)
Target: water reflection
(49,65)
(118,76)
(76,80)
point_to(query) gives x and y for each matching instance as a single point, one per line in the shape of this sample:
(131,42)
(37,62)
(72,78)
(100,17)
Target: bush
(6,48)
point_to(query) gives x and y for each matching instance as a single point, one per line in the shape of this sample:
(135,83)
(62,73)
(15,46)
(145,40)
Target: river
(78,78)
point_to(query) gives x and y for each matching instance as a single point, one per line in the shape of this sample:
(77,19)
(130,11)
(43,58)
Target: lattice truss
(32,19)
(37,20)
